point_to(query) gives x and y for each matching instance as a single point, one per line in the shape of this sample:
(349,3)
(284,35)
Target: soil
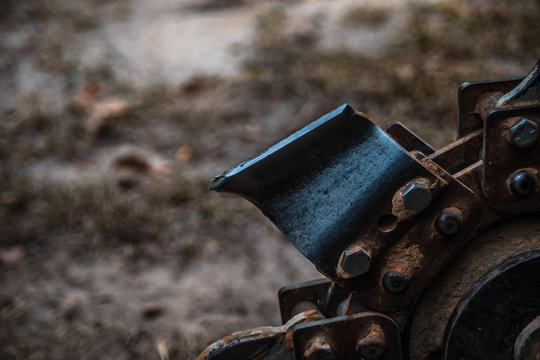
(115,116)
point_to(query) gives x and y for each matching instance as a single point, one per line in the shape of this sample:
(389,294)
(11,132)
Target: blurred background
(115,115)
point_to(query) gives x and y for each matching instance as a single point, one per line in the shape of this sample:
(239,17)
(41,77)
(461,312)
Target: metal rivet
(416,196)
(449,222)
(355,262)
(319,349)
(373,345)
(370,351)
(395,282)
(523,133)
(522,183)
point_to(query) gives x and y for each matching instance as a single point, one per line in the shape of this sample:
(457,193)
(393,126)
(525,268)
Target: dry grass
(415,82)
(145,215)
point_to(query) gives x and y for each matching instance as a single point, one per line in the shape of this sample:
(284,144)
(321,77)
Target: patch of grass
(415,81)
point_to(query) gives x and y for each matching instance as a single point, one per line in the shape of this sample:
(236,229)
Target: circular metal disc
(481,255)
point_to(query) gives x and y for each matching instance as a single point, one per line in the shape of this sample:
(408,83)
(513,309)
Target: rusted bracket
(270,343)
(359,206)
(368,335)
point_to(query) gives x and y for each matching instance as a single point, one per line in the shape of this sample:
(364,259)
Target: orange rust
(487,103)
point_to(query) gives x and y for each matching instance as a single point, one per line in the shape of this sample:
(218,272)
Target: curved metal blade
(323,184)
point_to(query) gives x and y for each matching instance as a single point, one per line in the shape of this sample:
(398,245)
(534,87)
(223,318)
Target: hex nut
(355,262)
(524,133)
(416,196)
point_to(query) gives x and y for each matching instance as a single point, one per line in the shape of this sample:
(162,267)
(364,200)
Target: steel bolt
(395,282)
(355,262)
(319,349)
(522,183)
(416,197)
(449,222)
(524,133)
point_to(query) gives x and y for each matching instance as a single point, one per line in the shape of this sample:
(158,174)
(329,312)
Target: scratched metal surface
(323,183)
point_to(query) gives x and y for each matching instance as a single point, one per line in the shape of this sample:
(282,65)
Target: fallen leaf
(184,153)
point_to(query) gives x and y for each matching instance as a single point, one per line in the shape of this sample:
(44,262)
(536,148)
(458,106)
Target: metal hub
(491,315)
(480,260)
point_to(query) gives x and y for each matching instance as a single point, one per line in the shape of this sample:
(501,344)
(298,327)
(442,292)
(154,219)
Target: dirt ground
(115,116)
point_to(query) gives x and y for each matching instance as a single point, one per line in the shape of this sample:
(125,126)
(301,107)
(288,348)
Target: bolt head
(395,282)
(416,197)
(355,262)
(449,222)
(522,183)
(524,133)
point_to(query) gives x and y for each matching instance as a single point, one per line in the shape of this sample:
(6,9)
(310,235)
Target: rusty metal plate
(502,160)
(484,252)
(262,343)
(408,139)
(469,95)
(421,253)
(290,296)
(345,335)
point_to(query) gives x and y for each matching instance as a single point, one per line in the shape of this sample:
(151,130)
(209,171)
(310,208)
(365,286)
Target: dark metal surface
(355,261)
(486,251)
(268,343)
(524,133)
(348,334)
(382,214)
(395,282)
(489,318)
(522,183)
(502,159)
(460,154)
(449,222)
(319,349)
(336,176)
(419,252)
(310,291)
(469,95)
(407,139)
(416,196)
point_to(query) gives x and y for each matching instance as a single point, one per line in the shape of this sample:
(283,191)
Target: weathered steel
(268,343)
(494,311)
(310,291)
(348,335)
(407,139)
(469,96)
(381,215)
(484,252)
(336,177)
(502,160)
